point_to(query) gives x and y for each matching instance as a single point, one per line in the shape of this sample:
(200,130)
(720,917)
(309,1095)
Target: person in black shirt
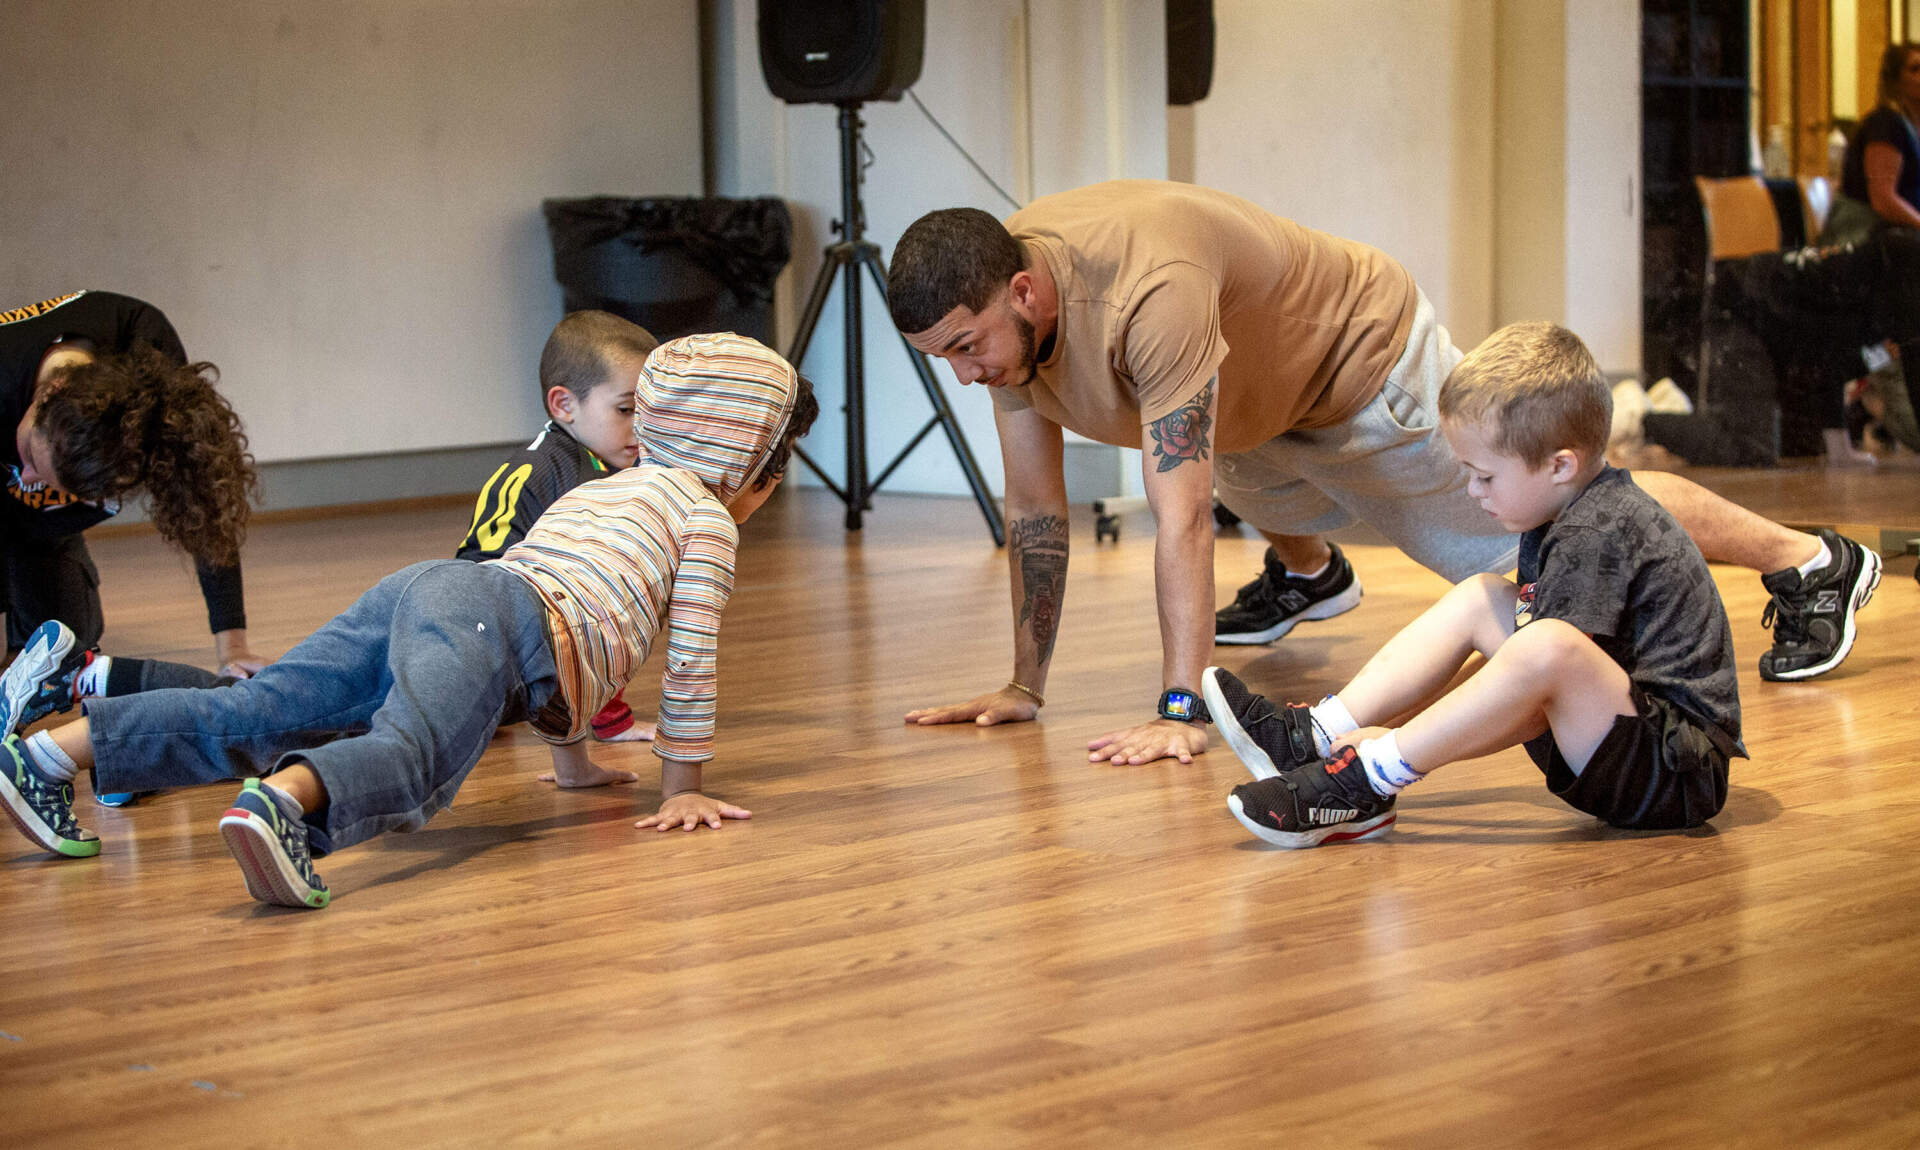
(102,404)
(1880,176)
(588,369)
(1609,658)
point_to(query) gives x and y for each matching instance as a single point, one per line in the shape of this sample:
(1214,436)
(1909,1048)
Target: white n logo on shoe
(1826,602)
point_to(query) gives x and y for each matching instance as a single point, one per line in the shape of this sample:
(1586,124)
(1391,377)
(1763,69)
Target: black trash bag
(673,265)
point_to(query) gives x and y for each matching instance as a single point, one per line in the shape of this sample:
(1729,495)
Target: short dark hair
(579,354)
(806,409)
(955,257)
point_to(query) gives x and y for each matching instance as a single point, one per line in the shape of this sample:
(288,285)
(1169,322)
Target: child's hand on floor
(573,768)
(688,809)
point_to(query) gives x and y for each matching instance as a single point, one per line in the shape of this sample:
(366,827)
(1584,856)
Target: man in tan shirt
(1292,370)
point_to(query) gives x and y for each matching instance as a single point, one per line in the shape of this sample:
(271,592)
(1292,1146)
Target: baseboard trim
(317,488)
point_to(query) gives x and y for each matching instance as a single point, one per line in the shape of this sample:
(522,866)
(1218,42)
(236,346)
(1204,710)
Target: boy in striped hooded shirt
(420,671)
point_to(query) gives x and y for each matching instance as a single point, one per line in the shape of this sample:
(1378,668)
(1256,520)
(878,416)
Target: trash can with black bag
(674,265)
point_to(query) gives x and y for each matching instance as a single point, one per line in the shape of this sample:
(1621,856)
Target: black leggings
(48,579)
(1816,307)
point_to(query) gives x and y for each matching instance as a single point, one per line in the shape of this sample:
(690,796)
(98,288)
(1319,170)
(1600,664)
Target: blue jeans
(391,703)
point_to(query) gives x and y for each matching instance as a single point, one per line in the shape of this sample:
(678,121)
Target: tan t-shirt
(1158,282)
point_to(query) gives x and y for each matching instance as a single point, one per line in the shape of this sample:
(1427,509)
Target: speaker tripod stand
(844,261)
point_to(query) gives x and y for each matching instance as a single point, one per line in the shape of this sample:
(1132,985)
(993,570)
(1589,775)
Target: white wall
(1567,174)
(337,203)
(1369,119)
(1491,146)
(1079,97)
(1602,267)
(1530,168)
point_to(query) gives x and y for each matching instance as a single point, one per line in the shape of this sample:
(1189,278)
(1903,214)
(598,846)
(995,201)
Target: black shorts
(1656,770)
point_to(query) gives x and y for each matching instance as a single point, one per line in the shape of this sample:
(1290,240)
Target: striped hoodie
(619,560)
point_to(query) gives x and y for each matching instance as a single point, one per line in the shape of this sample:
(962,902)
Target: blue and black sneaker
(1325,801)
(271,850)
(40,681)
(41,807)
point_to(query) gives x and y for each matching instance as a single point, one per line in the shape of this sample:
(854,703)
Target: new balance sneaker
(1326,801)
(40,807)
(1812,616)
(1276,602)
(271,850)
(39,681)
(1265,740)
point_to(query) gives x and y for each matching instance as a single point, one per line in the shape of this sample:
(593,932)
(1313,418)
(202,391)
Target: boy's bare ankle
(301,784)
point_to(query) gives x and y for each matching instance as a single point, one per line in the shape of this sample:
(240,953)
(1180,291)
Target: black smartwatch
(1182,705)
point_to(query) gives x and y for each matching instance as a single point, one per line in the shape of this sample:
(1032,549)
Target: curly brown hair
(141,422)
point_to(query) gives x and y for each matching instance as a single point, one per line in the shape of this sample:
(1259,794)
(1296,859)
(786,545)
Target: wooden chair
(1816,203)
(1740,221)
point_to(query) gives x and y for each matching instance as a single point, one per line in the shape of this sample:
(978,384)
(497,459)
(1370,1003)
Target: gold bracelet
(1027,691)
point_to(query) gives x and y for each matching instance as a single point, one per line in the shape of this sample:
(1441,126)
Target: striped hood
(714,405)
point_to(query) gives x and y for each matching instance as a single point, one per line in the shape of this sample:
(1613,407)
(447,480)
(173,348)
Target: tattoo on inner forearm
(1181,434)
(1040,546)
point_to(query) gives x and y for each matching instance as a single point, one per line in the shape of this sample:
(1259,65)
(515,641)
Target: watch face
(1182,705)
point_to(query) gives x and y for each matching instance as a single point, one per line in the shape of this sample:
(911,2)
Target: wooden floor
(970,937)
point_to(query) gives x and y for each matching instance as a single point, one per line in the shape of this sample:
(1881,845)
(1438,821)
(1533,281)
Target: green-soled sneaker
(271,850)
(42,808)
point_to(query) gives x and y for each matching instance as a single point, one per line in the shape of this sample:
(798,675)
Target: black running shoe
(1812,616)
(1266,741)
(1271,605)
(271,850)
(1327,801)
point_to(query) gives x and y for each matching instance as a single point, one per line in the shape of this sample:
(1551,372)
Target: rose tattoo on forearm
(1040,546)
(1181,434)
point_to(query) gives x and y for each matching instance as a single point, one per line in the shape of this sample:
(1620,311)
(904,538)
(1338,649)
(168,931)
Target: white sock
(1291,573)
(1386,770)
(46,757)
(91,682)
(1818,561)
(289,806)
(1330,721)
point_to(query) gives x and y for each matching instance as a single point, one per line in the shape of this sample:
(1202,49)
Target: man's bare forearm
(1180,489)
(1037,555)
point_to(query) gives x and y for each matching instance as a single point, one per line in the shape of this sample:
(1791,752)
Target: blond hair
(1539,390)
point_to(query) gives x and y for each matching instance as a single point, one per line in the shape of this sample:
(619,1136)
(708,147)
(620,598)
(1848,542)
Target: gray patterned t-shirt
(1617,566)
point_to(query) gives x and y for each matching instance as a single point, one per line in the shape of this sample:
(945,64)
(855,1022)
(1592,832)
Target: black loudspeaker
(1189,50)
(841,51)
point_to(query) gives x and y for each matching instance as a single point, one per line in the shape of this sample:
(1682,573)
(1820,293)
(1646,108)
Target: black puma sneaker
(1327,801)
